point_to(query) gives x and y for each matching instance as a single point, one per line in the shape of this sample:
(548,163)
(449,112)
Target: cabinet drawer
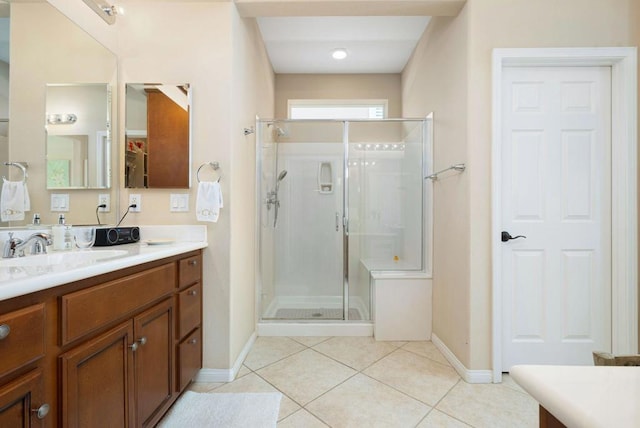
(88,310)
(189,358)
(189,309)
(190,271)
(23,332)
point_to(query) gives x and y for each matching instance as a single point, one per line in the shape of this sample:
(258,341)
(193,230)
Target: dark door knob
(507,237)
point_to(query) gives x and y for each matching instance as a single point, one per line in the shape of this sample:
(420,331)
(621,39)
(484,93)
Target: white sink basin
(65,258)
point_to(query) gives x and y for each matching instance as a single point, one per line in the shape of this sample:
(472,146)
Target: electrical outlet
(137,200)
(104,199)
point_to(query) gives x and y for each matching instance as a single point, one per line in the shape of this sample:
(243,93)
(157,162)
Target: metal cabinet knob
(4,331)
(193,341)
(192,292)
(41,411)
(193,262)
(134,346)
(142,341)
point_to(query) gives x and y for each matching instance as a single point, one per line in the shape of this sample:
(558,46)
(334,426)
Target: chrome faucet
(14,247)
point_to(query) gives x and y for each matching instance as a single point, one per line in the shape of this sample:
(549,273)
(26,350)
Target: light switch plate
(179,202)
(60,202)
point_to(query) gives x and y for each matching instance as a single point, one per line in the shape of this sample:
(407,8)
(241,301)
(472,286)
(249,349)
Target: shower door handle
(337,222)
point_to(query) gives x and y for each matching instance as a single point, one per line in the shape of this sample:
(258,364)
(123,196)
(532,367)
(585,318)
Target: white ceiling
(376,44)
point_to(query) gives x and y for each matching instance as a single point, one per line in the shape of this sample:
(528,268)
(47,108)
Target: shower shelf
(325,178)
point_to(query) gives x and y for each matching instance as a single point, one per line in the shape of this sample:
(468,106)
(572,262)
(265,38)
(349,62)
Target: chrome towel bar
(460,167)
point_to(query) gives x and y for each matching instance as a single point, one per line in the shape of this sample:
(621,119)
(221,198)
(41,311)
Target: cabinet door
(154,359)
(21,402)
(97,381)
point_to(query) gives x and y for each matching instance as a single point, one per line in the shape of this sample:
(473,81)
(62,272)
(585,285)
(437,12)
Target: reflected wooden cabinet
(168,142)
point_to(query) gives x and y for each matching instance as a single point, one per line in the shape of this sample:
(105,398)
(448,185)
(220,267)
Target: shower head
(282,175)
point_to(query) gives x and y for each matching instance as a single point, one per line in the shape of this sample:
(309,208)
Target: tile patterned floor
(357,382)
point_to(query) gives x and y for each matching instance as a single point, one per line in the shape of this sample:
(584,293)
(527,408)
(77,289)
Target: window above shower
(338,109)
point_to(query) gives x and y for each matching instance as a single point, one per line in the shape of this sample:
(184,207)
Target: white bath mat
(204,410)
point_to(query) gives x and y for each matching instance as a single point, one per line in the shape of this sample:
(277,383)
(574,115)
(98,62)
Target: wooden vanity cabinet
(189,325)
(22,402)
(111,354)
(22,346)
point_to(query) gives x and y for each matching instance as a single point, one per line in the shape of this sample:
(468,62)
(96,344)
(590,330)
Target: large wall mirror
(157,136)
(78,140)
(47,48)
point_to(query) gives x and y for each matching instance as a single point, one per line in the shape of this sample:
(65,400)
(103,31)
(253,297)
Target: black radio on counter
(107,236)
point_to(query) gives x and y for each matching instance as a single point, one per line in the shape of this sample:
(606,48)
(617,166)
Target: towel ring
(20,165)
(214,165)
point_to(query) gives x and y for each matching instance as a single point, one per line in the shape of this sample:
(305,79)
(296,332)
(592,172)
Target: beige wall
(37,59)
(435,80)
(253,95)
(488,24)
(338,86)
(516,23)
(221,57)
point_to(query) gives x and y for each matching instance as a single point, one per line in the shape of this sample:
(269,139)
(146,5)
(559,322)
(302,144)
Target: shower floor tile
(315,313)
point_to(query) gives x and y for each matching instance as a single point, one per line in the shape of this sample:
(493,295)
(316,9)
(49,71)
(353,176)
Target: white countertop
(21,280)
(585,396)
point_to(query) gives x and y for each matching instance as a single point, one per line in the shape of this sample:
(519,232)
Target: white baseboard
(469,376)
(226,375)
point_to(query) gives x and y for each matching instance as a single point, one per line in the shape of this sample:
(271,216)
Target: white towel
(208,201)
(14,200)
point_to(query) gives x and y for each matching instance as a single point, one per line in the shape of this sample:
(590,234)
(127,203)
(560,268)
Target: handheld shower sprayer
(281,177)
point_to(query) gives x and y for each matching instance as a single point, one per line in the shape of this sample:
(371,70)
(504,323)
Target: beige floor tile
(268,350)
(415,375)
(310,340)
(508,381)
(305,375)
(365,402)
(301,419)
(490,405)
(426,349)
(437,419)
(204,386)
(356,352)
(244,370)
(254,383)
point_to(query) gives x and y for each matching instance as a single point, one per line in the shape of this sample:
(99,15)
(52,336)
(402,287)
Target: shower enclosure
(338,200)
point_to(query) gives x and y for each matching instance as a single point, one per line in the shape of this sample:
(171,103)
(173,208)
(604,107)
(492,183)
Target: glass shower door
(385,204)
(301,243)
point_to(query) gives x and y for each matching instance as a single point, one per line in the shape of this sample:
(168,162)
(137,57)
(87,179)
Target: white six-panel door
(556,191)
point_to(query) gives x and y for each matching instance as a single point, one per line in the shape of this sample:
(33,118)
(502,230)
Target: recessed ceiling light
(339,53)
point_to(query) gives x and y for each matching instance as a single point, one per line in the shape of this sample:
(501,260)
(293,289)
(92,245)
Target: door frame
(624,209)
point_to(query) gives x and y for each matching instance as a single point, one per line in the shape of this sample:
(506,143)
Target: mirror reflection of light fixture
(105,11)
(62,119)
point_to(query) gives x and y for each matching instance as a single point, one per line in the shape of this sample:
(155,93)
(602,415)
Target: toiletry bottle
(58,233)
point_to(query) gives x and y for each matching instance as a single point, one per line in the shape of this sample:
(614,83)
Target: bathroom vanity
(114,348)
